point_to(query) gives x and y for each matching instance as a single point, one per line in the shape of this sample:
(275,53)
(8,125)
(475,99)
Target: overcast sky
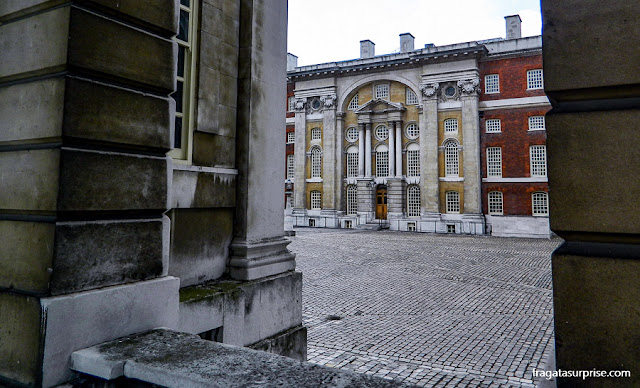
(331,30)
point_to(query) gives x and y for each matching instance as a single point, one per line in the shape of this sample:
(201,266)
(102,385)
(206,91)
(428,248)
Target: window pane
(177,96)
(177,140)
(184,26)
(181,60)
(185,3)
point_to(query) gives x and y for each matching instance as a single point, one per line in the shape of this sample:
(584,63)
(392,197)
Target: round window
(382,132)
(412,131)
(450,91)
(352,134)
(315,104)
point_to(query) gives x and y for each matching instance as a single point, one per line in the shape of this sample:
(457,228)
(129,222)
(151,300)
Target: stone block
(156,13)
(32,112)
(229,95)
(20,336)
(272,305)
(596,304)
(100,45)
(209,56)
(200,241)
(230,31)
(100,113)
(201,309)
(34,45)
(211,23)
(91,255)
(10,9)
(80,320)
(29,180)
(26,255)
(227,119)
(290,343)
(576,32)
(213,150)
(207,112)
(196,187)
(601,194)
(105,181)
(228,56)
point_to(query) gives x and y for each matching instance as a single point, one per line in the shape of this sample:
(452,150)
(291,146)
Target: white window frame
(352,200)
(491,83)
(494,162)
(353,104)
(493,125)
(291,104)
(540,203)
(451,159)
(535,79)
(291,167)
(537,123)
(316,200)
(411,98)
(385,132)
(538,160)
(316,133)
(413,162)
(349,131)
(316,162)
(413,201)
(453,202)
(412,131)
(450,125)
(381,91)
(353,163)
(495,200)
(382,163)
(291,137)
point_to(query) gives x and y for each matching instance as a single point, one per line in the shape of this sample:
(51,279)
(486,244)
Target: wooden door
(381,203)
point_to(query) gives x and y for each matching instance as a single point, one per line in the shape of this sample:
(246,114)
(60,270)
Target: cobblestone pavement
(430,310)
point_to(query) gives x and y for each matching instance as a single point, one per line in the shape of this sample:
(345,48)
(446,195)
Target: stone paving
(429,310)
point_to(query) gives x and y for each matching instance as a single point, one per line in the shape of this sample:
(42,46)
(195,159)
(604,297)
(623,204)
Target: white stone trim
(535,179)
(313,180)
(314,92)
(451,179)
(513,103)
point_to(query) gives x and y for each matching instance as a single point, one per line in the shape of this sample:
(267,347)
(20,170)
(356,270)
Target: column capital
(430,90)
(329,101)
(469,87)
(300,105)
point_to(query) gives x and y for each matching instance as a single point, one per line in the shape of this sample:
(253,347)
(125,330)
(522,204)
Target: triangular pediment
(380,106)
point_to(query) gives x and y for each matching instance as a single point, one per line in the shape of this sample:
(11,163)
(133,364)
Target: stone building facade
(140,174)
(445,139)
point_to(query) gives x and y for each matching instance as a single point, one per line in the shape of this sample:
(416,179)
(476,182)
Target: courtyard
(425,309)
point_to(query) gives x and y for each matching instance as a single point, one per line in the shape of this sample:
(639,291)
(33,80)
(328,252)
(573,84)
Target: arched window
(495,202)
(316,134)
(540,203)
(353,105)
(352,162)
(451,125)
(412,99)
(316,200)
(316,162)
(413,160)
(413,201)
(451,159)
(352,200)
(453,201)
(412,131)
(382,161)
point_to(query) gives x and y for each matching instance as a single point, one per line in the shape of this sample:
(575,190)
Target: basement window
(451,228)
(411,226)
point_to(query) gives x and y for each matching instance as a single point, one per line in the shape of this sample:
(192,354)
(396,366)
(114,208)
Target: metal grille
(316,162)
(382,132)
(536,123)
(453,202)
(413,163)
(451,159)
(538,154)
(412,131)
(353,105)
(352,200)
(316,200)
(540,202)
(382,163)
(352,164)
(495,202)
(352,134)
(451,125)
(413,201)
(494,161)
(534,79)
(493,125)
(492,83)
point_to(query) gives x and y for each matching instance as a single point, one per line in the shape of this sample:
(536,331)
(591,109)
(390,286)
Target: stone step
(374,225)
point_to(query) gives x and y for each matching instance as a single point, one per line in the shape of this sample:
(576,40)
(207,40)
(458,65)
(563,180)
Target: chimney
(292,62)
(367,49)
(406,42)
(513,26)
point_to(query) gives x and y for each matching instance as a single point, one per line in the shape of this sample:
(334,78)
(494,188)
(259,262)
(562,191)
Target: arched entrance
(381,202)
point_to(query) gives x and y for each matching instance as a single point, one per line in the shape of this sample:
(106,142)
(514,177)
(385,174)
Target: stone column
(339,171)
(398,149)
(328,152)
(392,149)
(395,197)
(300,158)
(429,175)
(361,153)
(365,199)
(259,248)
(367,151)
(471,139)
(593,152)
(84,181)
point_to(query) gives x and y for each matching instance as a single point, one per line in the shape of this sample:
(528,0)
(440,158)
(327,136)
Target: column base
(251,261)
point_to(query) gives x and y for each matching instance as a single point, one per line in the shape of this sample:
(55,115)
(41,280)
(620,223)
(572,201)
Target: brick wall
(516,197)
(513,77)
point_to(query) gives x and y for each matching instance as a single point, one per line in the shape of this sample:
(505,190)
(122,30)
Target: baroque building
(446,139)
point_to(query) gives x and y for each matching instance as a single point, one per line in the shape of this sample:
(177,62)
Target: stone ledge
(174,359)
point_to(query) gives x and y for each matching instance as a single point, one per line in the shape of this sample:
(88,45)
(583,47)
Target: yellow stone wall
(451,186)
